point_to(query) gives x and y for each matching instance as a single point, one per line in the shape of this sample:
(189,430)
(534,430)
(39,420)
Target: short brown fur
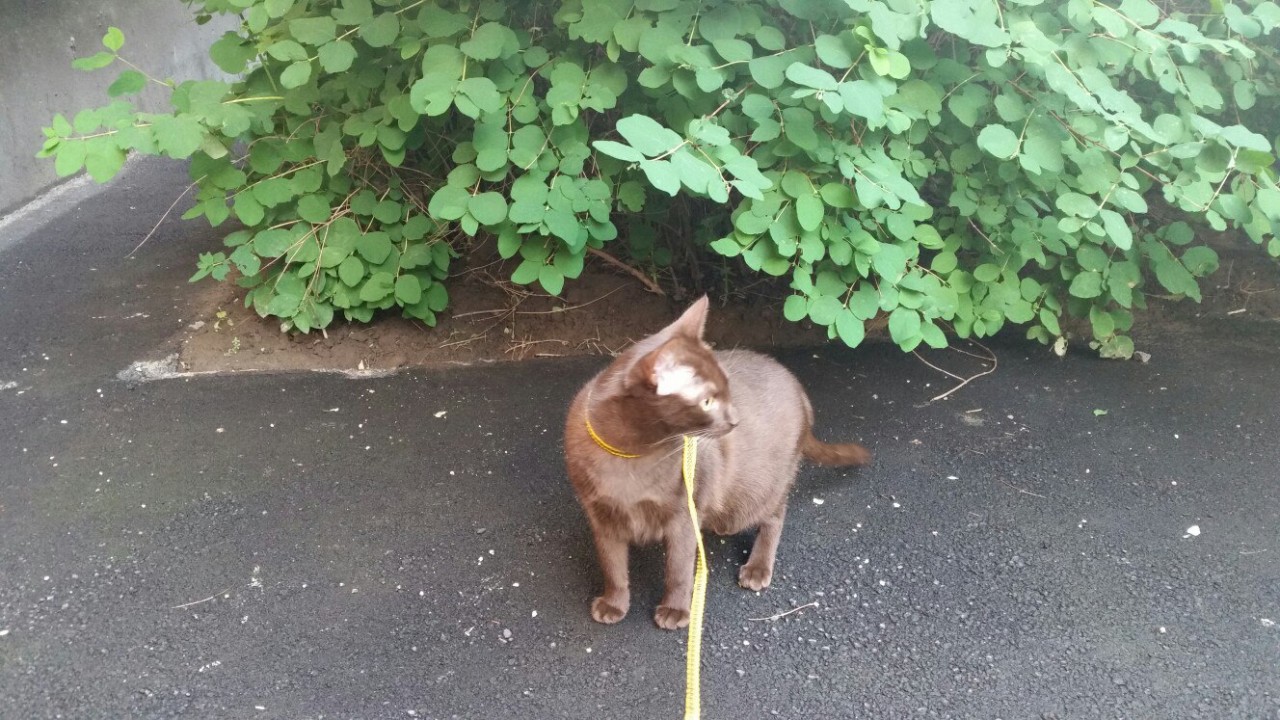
(754,421)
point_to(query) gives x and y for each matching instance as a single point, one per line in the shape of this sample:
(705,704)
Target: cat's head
(680,381)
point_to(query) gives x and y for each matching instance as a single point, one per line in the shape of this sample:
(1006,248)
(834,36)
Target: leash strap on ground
(693,660)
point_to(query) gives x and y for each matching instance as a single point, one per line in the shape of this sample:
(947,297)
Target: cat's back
(764,392)
(755,372)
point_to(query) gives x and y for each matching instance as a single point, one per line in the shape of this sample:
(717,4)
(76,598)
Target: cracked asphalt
(312,546)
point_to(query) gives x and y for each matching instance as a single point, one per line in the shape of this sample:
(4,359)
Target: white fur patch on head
(673,378)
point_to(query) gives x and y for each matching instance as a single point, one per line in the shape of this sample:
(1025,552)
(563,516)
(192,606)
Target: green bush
(955,164)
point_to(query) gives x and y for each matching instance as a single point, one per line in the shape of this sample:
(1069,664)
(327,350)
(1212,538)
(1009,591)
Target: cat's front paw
(670,618)
(603,611)
(754,577)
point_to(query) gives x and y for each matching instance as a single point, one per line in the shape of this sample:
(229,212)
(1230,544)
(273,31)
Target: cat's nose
(731,417)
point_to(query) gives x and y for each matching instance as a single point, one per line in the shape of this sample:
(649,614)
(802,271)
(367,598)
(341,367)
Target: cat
(623,447)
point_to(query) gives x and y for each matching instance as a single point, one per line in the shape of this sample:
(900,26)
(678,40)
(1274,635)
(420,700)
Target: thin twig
(771,618)
(567,309)
(455,343)
(1021,490)
(197,602)
(526,343)
(498,311)
(156,227)
(995,362)
(935,367)
(966,352)
(649,285)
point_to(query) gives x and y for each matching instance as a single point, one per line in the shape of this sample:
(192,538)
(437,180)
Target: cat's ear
(693,321)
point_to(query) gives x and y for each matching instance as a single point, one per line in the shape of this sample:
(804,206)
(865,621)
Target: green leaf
(850,329)
(618,150)
(904,326)
(526,272)
(1086,285)
(273,191)
(374,247)
(865,302)
(987,272)
(569,264)
(488,208)
(381,31)
(449,203)
(231,53)
(648,135)
(272,243)
(662,176)
(245,261)
(437,297)
(1092,257)
(337,56)
(277,8)
(999,141)
(313,208)
(1076,204)
(890,262)
(248,209)
(1117,229)
(811,77)
(837,195)
(1050,321)
(487,42)
(408,290)
(1103,324)
(973,20)
(1200,260)
(770,38)
(832,51)
(388,211)
(314,31)
(114,39)
(177,136)
(354,12)
(296,75)
(825,309)
(933,336)
(795,308)
(104,162)
(129,82)
(377,287)
(351,271)
(286,50)
(809,212)
(93,62)
(482,92)
(551,279)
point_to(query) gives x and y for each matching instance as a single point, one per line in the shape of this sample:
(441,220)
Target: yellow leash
(693,660)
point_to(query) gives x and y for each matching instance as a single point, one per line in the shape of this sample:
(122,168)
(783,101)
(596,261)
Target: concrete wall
(38,41)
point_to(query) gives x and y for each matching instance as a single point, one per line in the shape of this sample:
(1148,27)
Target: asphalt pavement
(1067,538)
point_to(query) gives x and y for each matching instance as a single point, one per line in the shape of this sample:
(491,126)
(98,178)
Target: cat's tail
(833,454)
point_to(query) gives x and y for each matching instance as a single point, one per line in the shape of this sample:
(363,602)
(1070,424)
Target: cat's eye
(708,402)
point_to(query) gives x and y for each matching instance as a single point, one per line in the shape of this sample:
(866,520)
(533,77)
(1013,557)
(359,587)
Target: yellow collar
(586,416)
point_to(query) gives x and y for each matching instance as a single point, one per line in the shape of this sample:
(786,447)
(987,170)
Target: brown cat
(623,446)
